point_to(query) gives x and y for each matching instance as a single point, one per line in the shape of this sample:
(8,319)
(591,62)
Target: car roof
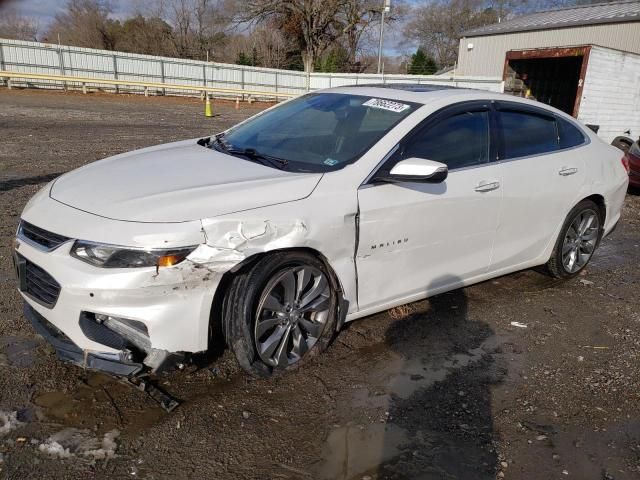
(425,94)
(408,87)
(409,92)
(443,95)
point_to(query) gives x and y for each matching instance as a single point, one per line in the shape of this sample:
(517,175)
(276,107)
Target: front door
(417,237)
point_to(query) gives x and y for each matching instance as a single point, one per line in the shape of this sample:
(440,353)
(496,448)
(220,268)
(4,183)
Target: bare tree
(199,25)
(84,23)
(18,27)
(437,26)
(317,20)
(361,20)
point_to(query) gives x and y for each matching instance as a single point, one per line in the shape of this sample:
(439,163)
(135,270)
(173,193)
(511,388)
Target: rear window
(570,135)
(525,134)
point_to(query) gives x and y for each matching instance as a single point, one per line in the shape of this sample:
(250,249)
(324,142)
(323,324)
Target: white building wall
(611,93)
(487,56)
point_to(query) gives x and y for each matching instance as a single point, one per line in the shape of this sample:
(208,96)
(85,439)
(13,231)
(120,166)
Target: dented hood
(177,182)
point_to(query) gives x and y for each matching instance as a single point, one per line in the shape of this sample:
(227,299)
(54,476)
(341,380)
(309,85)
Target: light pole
(386,6)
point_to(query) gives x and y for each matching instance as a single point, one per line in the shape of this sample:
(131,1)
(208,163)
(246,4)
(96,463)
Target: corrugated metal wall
(488,53)
(33,57)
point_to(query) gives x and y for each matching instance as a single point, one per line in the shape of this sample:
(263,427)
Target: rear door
(542,173)
(417,237)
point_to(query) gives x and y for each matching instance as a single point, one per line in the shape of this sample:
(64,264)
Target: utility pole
(386,6)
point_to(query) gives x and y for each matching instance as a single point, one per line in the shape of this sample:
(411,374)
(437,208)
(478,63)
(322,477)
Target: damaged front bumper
(122,321)
(113,363)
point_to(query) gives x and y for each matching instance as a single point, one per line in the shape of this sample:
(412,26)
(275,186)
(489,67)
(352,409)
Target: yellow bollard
(208,111)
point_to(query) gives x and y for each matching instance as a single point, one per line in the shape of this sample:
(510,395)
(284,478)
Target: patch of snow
(53,448)
(72,442)
(8,421)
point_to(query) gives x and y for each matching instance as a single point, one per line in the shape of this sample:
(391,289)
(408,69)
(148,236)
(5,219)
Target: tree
(17,27)
(335,60)
(421,64)
(151,36)
(85,23)
(249,60)
(199,26)
(361,20)
(316,25)
(270,45)
(438,25)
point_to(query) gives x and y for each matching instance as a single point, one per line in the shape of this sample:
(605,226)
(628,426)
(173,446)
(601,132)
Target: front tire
(280,312)
(578,239)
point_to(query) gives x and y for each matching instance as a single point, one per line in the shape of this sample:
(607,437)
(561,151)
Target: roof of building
(598,13)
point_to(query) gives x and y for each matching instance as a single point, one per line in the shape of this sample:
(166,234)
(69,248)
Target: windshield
(317,132)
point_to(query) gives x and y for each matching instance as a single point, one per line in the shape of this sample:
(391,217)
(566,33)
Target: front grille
(40,236)
(39,285)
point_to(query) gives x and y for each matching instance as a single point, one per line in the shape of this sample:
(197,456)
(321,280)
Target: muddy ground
(448,389)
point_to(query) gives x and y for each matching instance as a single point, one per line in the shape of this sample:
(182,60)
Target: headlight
(111,256)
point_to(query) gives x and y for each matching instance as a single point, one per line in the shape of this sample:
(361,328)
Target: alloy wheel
(580,240)
(291,315)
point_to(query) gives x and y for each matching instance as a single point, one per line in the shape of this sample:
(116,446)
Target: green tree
(421,64)
(248,60)
(336,60)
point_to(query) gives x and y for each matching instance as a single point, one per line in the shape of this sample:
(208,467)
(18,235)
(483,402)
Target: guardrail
(84,81)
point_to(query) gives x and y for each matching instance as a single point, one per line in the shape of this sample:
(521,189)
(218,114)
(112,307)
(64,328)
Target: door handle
(487,186)
(566,171)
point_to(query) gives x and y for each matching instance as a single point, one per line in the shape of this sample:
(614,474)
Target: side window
(570,135)
(458,141)
(525,133)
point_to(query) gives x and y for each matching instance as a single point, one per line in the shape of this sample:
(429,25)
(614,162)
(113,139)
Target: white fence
(48,59)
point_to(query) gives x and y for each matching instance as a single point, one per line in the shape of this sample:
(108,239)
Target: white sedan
(330,207)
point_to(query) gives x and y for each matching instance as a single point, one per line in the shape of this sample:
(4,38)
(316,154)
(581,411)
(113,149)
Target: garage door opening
(551,76)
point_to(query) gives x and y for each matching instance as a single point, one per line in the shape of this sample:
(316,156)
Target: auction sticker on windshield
(386,105)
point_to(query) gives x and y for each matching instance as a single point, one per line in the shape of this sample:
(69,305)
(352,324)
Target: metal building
(583,60)
(614,25)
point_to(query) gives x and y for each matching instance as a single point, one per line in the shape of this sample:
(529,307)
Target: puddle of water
(18,351)
(401,376)
(352,452)
(405,445)
(97,403)
(609,255)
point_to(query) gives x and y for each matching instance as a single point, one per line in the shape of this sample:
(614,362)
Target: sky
(44,10)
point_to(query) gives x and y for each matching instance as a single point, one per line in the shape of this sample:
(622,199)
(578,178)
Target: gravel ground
(440,389)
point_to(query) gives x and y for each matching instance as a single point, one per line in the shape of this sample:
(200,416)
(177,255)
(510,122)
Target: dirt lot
(450,390)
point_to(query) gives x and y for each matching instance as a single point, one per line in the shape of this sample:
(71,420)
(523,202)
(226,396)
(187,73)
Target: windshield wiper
(250,153)
(220,143)
(253,155)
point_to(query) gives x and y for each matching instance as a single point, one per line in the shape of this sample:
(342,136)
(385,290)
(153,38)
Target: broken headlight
(112,256)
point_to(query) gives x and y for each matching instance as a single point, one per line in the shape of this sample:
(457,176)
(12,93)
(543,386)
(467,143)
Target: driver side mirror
(416,170)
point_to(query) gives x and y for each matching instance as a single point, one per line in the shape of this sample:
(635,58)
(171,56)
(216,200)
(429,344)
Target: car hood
(177,182)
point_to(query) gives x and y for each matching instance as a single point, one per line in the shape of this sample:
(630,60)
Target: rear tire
(280,312)
(578,239)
